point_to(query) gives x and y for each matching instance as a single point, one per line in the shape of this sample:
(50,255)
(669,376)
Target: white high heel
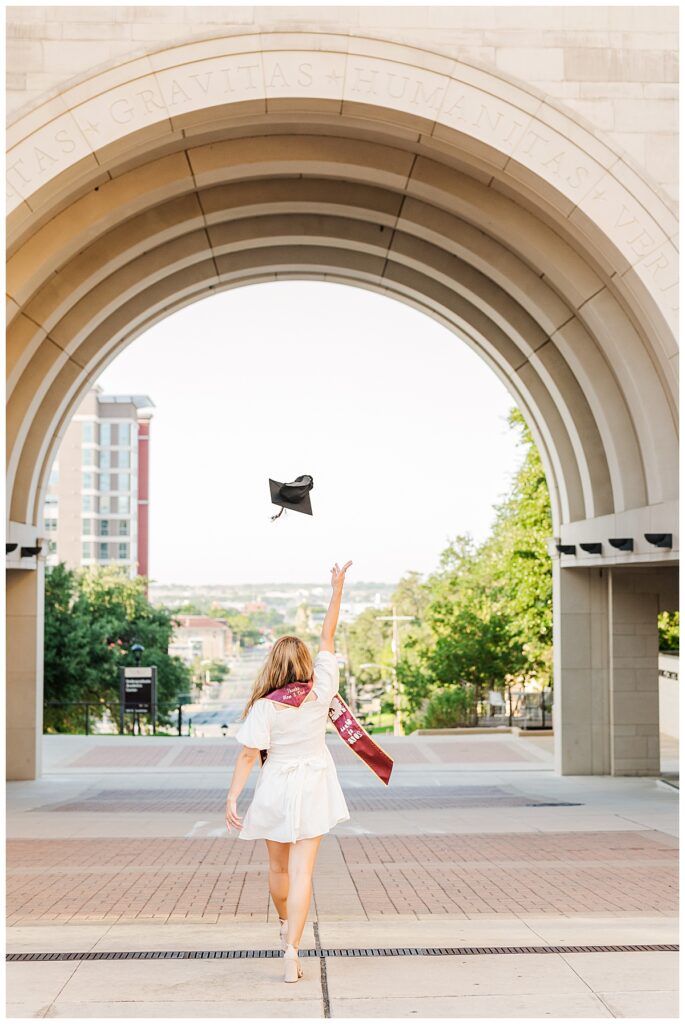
(284,932)
(291,963)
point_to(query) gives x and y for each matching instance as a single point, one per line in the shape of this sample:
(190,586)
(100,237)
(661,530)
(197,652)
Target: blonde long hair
(288,661)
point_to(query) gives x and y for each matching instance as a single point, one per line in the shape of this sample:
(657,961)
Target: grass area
(381,723)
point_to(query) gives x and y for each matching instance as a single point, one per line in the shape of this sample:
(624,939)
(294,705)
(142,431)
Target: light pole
(350,680)
(395,619)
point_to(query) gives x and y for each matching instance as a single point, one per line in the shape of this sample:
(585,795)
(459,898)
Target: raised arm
(331,621)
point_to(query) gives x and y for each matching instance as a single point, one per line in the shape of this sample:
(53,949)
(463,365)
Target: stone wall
(615,66)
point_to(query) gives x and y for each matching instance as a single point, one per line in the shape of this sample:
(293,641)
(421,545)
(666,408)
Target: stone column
(24,674)
(634,671)
(606,668)
(581,670)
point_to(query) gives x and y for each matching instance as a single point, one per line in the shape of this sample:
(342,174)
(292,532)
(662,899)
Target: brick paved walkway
(121,846)
(72,880)
(114,752)
(555,873)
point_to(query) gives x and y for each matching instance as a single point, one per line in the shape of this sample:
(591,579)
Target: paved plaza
(476,852)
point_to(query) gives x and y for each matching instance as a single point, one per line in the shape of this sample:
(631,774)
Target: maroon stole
(349,729)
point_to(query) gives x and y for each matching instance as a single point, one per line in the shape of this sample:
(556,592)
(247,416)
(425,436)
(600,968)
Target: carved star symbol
(90,127)
(334,77)
(599,195)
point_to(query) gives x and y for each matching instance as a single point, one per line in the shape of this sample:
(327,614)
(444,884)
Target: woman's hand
(330,622)
(338,575)
(232,814)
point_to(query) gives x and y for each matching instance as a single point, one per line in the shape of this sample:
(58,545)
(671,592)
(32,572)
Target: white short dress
(297,795)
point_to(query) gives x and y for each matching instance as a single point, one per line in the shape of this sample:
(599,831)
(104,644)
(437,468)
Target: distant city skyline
(401,424)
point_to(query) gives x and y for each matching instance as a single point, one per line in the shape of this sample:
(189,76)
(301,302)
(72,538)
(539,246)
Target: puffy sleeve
(326,674)
(255,731)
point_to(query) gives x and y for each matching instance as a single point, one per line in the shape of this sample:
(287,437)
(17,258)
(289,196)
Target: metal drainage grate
(261,954)
(555,803)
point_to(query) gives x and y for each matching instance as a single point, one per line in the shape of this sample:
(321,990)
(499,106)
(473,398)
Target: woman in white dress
(298,798)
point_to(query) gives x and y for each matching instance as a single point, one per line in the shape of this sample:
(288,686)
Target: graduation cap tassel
(277,515)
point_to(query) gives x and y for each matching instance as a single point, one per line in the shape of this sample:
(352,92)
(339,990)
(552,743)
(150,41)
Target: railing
(529,713)
(128,721)
(534,711)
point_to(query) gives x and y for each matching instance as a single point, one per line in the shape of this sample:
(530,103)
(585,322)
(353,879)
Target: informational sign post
(137,690)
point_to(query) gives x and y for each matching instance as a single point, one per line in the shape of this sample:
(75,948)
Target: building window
(88,432)
(123,551)
(105,503)
(105,433)
(124,459)
(104,527)
(87,503)
(124,482)
(88,481)
(50,524)
(86,527)
(123,527)
(52,547)
(105,459)
(105,482)
(50,499)
(103,549)
(124,433)
(124,504)
(86,550)
(88,457)
(54,475)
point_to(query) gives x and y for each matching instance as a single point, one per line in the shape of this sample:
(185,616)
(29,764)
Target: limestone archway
(253,157)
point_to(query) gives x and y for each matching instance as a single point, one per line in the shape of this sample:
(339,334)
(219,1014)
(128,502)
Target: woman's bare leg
(278,875)
(300,871)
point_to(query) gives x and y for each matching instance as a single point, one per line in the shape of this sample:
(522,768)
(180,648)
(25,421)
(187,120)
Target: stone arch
(253,157)
(444,194)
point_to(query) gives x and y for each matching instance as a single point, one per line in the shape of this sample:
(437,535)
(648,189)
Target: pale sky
(401,425)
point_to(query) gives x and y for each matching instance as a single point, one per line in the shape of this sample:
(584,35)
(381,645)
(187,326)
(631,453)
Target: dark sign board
(138,688)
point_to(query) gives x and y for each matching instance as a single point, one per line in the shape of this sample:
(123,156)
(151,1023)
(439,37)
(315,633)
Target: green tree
(669,631)
(484,617)
(412,596)
(414,677)
(93,616)
(68,673)
(202,671)
(243,627)
(368,640)
(218,670)
(475,641)
(448,708)
(491,615)
(517,562)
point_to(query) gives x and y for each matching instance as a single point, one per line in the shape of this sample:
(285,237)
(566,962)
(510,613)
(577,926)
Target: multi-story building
(201,636)
(96,505)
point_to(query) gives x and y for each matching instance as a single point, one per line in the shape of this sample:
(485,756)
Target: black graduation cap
(294,495)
